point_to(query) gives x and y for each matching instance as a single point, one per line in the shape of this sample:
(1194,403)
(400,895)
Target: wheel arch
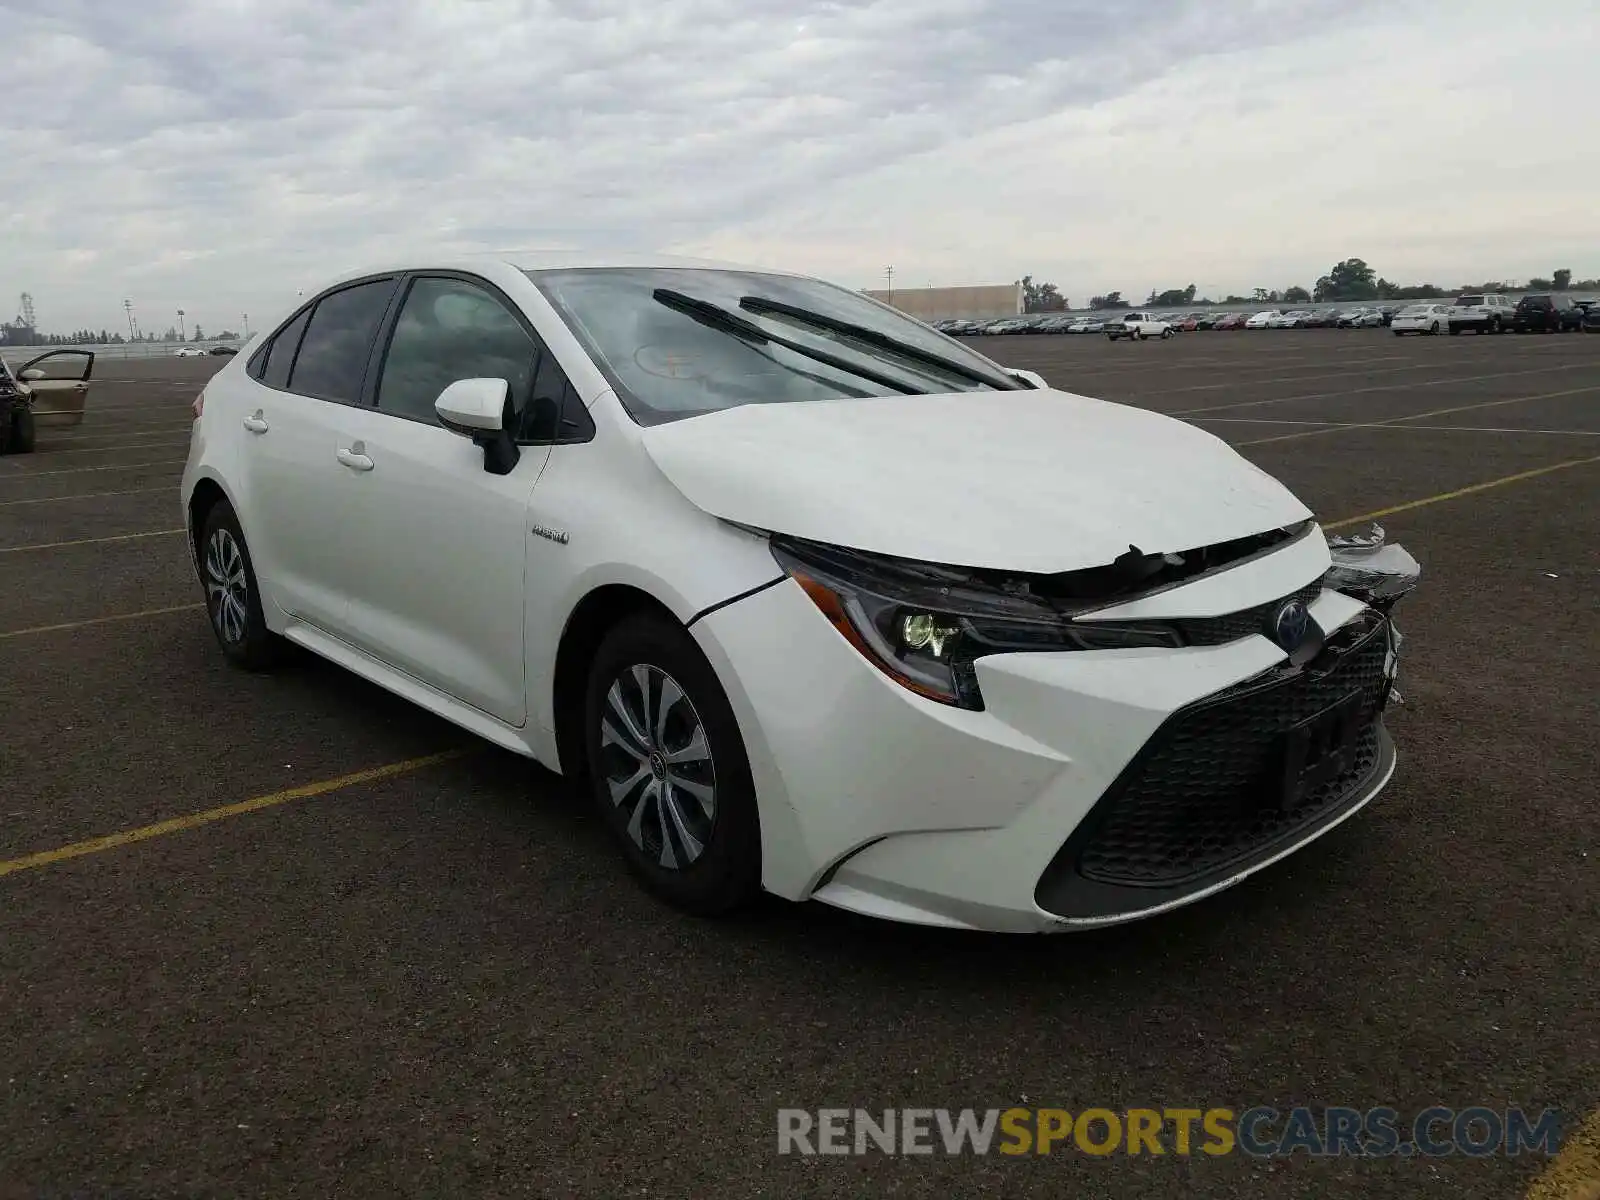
(203,496)
(596,614)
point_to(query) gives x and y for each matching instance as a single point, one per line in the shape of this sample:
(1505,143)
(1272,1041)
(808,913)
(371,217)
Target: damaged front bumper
(1092,786)
(1370,568)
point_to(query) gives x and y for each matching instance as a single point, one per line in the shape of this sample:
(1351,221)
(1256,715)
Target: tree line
(1352,279)
(15,333)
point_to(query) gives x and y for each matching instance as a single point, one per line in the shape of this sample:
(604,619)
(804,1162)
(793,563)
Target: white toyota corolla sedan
(808,596)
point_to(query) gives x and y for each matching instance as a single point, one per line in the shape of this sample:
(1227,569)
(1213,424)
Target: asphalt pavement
(436,979)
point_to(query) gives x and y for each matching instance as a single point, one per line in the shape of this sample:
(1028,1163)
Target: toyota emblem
(1290,624)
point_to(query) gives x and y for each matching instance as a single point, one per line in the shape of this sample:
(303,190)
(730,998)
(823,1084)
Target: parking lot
(330,944)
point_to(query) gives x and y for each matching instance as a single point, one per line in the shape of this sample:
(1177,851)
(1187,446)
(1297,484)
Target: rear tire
(233,598)
(1434,329)
(1454,332)
(668,768)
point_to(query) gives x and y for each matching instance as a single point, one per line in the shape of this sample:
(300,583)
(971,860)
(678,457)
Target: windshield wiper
(874,337)
(731,322)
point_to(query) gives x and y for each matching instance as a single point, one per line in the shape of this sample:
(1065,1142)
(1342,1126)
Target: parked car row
(1480,312)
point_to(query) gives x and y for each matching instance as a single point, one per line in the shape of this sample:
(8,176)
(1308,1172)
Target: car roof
(536,260)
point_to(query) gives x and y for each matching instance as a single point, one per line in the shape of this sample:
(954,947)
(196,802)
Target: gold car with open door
(47,392)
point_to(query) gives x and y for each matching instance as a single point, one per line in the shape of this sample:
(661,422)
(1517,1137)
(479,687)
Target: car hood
(1029,481)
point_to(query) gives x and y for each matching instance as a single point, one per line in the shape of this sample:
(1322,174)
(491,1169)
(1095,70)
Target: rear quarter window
(280,355)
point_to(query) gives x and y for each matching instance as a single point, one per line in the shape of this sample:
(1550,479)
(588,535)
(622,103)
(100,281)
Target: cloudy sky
(216,155)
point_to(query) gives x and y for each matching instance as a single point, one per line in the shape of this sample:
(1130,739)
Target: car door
(300,501)
(441,560)
(59,384)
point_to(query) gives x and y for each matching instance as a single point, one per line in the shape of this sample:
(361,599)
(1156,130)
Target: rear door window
(338,342)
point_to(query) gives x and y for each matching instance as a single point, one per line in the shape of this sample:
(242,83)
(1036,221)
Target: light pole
(246,317)
(127,307)
(889,271)
(182,336)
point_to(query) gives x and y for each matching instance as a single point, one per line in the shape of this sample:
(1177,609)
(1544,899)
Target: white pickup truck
(1136,326)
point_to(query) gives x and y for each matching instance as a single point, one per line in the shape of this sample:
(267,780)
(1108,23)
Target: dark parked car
(1230,321)
(1591,317)
(228,350)
(1546,313)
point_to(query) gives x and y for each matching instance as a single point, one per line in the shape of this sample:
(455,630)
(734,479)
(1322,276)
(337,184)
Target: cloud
(216,155)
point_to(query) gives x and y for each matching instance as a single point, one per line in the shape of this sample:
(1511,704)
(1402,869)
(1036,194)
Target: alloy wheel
(227,589)
(657,765)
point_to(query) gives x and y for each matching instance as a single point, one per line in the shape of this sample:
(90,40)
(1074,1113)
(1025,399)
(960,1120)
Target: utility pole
(127,307)
(889,271)
(182,337)
(246,317)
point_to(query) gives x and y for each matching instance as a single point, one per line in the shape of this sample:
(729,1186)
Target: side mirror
(31,374)
(475,408)
(1032,378)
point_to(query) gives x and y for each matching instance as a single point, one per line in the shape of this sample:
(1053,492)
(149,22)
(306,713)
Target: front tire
(23,431)
(233,598)
(668,768)
(1434,329)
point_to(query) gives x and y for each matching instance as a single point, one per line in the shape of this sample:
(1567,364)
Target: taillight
(199,405)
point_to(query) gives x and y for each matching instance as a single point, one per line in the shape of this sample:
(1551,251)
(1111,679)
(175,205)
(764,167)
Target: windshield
(666,365)
(1469,301)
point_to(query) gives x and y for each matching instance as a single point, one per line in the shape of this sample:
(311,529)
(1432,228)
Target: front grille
(1230,627)
(1203,794)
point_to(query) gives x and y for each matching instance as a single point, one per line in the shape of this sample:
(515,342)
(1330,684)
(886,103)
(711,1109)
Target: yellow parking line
(87,621)
(52,451)
(194,820)
(1575,1173)
(124,436)
(1459,492)
(1217,387)
(1385,387)
(1390,425)
(18,476)
(84,496)
(1437,412)
(121,537)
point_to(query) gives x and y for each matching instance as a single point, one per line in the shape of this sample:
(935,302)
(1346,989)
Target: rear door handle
(355,457)
(256,423)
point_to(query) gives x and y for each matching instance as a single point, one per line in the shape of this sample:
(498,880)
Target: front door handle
(355,457)
(256,423)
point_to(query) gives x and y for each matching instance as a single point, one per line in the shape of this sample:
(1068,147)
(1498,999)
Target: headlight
(1370,568)
(925,625)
